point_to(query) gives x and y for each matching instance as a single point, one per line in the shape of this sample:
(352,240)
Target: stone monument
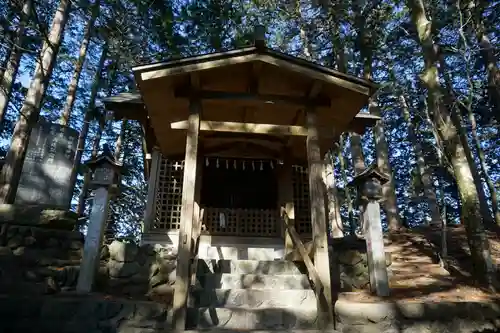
(47,174)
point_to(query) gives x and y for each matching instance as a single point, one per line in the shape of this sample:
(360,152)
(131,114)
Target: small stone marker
(47,176)
(369,184)
(105,180)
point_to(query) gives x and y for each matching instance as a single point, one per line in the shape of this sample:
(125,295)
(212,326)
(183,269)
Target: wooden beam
(149,213)
(184,66)
(250,128)
(247,136)
(316,74)
(286,203)
(195,81)
(318,219)
(315,89)
(189,194)
(255,70)
(184,92)
(245,146)
(304,255)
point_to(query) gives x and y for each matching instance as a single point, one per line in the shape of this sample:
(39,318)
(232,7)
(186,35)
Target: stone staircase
(251,295)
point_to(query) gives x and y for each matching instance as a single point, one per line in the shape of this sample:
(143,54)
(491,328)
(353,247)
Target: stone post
(369,184)
(104,184)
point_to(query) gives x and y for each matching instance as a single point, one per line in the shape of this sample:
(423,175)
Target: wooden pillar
(150,211)
(285,191)
(318,220)
(187,217)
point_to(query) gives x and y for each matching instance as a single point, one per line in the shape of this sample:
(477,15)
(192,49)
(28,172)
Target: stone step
(254,298)
(254,281)
(241,252)
(276,267)
(300,330)
(251,319)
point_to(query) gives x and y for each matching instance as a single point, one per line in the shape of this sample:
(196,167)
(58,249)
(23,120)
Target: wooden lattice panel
(241,222)
(302,205)
(169,195)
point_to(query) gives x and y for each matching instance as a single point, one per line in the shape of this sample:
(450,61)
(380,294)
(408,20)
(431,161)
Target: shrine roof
(249,85)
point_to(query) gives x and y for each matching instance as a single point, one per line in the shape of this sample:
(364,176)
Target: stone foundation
(417,317)
(42,256)
(80,315)
(85,314)
(348,263)
(39,266)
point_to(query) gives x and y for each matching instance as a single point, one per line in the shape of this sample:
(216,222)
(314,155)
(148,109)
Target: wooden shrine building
(232,141)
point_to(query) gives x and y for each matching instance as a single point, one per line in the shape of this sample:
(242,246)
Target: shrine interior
(236,183)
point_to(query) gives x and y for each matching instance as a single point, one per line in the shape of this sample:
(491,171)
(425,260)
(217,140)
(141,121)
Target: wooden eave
(127,105)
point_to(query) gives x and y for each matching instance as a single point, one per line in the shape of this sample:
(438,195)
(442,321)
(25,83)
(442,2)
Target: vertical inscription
(46,178)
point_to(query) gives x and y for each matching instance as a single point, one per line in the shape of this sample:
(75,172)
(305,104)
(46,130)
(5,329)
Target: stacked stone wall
(40,254)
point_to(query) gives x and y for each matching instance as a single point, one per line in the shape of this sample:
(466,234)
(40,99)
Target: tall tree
(103,119)
(9,75)
(471,212)
(475,13)
(30,111)
(71,96)
(90,115)
(368,21)
(6,33)
(453,103)
(422,165)
(347,191)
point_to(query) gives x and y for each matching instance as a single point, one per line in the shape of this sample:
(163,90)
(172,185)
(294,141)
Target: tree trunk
(73,86)
(120,139)
(475,11)
(5,60)
(366,42)
(484,167)
(95,149)
(425,174)
(471,213)
(110,232)
(30,111)
(90,113)
(86,177)
(358,159)
(456,119)
(347,190)
(390,203)
(8,35)
(89,116)
(332,197)
(12,66)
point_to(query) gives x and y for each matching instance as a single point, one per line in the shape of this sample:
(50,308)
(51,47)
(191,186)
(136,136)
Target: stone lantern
(104,184)
(369,184)
(105,171)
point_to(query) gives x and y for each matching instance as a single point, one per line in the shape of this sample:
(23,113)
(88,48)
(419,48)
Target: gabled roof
(249,54)
(249,85)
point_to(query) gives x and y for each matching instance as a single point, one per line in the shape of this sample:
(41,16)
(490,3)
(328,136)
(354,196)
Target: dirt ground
(418,276)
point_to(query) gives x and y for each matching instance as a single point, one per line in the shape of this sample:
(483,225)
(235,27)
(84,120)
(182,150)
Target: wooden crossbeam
(252,128)
(267,98)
